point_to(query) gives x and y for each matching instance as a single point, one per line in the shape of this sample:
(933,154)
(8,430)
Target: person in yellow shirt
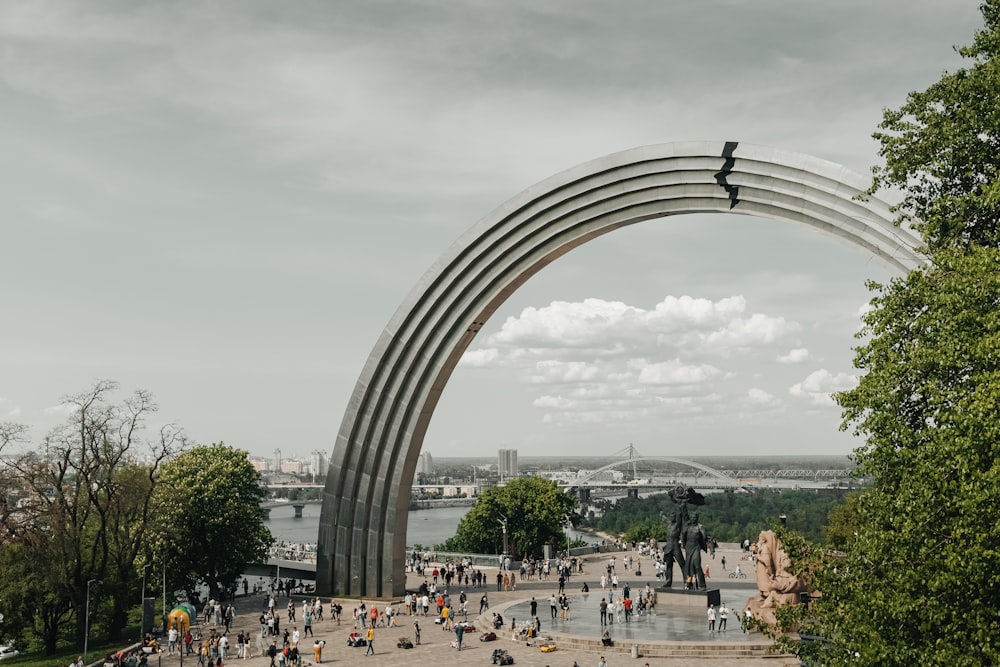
(371,641)
(446,618)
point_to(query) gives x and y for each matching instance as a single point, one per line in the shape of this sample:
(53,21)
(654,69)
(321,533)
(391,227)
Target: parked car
(7,651)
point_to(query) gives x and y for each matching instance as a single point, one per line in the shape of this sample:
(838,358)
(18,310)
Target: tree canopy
(209,525)
(534,510)
(918,581)
(80,504)
(728,517)
(942,148)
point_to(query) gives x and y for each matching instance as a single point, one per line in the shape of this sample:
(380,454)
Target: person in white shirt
(171,640)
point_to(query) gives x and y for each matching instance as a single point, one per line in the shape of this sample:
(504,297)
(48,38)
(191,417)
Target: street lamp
(86,624)
(145,568)
(164,626)
(503,524)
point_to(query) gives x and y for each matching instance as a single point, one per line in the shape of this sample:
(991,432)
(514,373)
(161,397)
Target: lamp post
(145,569)
(164,596)
(503,524)
(86,621)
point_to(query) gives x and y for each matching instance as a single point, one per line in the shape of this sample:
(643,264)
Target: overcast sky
(224,203)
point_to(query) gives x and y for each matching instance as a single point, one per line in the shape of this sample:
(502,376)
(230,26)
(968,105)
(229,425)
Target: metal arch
(362,532)
(710,470)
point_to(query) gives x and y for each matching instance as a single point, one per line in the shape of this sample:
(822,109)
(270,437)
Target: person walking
(711,617)
(604,612)
(171,640)
(371,641)
(459,633)
(416,633)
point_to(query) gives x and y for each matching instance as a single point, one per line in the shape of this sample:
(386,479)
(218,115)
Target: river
(425,527)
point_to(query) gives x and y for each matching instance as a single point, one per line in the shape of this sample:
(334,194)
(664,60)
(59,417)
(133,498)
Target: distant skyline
(225,204)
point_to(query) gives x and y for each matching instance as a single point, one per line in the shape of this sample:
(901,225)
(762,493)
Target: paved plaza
(675,629)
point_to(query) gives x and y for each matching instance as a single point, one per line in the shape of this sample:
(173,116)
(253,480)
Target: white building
(507,463)
(425,464)
(319,462)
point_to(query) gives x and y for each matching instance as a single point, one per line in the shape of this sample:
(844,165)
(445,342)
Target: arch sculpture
(362,534)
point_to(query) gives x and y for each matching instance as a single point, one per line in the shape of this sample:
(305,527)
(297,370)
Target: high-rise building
(507,463)
(319,463)
(425,464)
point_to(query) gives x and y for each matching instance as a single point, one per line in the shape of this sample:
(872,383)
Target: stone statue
(672,550)
(776,585)
(695,541)
(682,495)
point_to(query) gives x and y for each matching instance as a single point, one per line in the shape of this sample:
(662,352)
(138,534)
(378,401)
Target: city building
(319,462)
(507,463)
(425,464)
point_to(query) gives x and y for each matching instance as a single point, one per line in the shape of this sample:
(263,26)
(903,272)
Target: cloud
(600,328)
(559,372)
(597,360)
(61,410)
(480,358)
(796,356)
(819,384)
(675,372)
(759,397)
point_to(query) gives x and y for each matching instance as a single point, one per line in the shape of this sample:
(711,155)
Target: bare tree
(87,502)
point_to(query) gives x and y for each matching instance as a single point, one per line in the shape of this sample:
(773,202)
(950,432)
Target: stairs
(674,649)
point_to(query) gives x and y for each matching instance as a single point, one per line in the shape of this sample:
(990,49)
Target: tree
(942,149)
(533,509)
(842,523)
(209,525)
(84,507)
(919,581)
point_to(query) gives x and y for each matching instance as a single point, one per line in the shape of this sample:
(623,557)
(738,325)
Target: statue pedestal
(680,597)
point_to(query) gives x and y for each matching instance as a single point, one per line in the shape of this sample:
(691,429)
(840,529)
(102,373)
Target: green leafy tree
(843,522)
(534,510)
(919,582)
(83,509)
(942,148)
(209,525)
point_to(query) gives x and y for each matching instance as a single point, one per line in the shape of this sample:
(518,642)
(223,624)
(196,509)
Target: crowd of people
(285,624)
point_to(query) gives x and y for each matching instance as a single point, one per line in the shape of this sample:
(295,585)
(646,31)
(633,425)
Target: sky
(224,204)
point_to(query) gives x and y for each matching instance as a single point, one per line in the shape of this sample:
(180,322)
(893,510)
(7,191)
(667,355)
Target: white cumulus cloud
(796,356)
(607,361)
(758,396)
(676,372)
(819,384)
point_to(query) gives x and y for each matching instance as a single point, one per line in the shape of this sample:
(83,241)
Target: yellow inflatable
(547,648)
(180,617)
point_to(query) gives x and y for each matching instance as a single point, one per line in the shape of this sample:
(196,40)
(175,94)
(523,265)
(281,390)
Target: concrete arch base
(362,534)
